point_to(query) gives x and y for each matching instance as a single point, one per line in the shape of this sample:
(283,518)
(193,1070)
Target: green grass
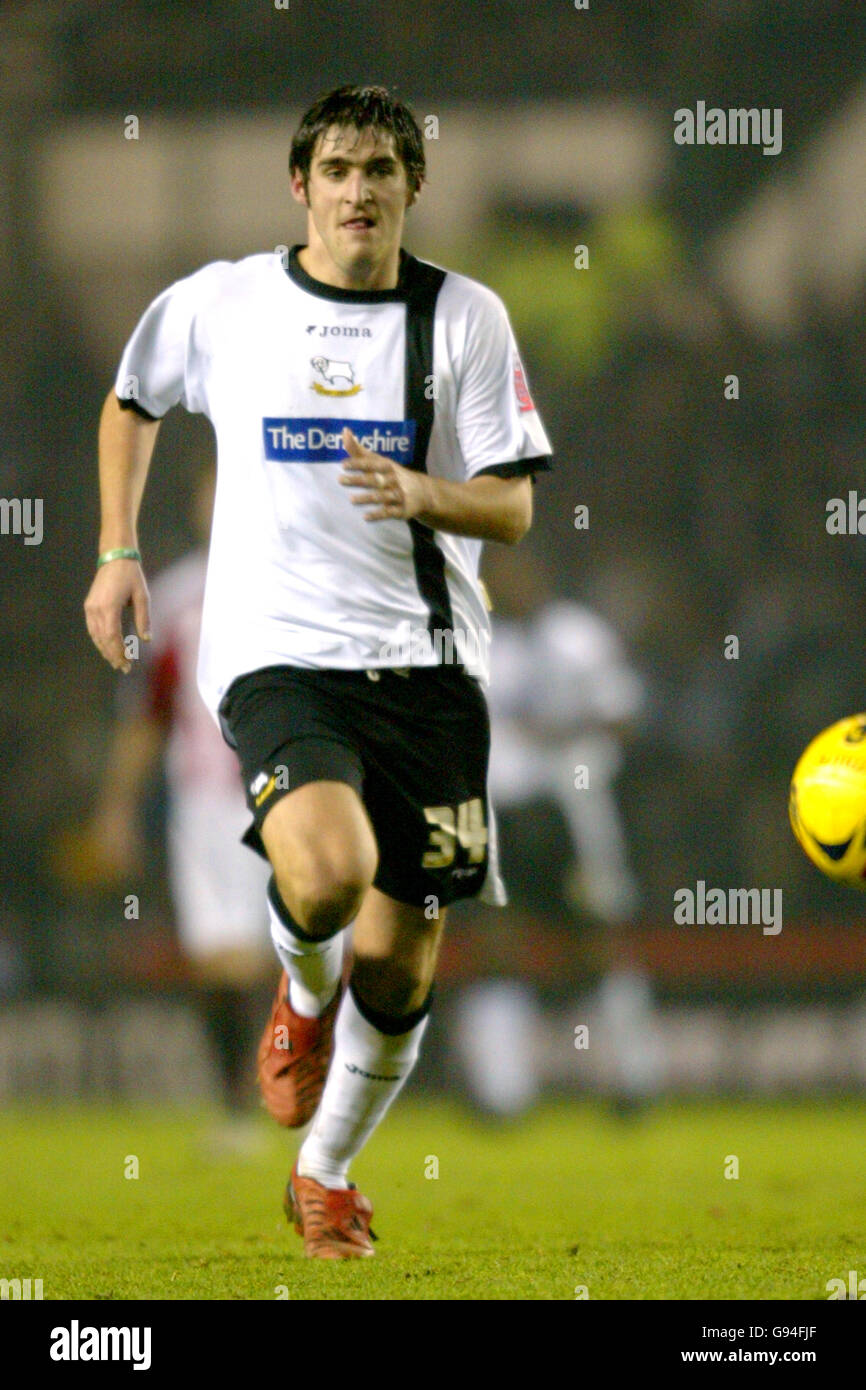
(632,1210)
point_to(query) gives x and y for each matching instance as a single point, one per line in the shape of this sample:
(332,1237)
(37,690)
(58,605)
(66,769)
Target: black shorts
(414,746)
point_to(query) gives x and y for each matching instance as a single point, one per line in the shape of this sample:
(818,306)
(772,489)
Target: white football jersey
(589,685)
(427,374)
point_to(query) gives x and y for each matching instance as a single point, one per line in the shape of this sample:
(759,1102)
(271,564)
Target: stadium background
(707,515)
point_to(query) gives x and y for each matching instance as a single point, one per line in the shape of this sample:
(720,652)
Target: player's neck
(319,265)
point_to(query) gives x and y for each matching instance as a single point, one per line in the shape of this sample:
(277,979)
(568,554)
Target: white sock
(313,967)
(368,1069)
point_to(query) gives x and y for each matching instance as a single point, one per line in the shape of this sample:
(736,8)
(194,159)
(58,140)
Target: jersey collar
(296,272)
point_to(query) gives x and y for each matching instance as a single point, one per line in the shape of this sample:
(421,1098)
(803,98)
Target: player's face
(356,195)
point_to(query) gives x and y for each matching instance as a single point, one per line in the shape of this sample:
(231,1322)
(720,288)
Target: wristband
(123,553)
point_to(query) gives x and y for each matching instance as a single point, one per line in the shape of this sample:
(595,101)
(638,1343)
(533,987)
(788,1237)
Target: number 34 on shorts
(450,826)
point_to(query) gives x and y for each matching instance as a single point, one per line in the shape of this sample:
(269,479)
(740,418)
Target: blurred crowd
(706,509)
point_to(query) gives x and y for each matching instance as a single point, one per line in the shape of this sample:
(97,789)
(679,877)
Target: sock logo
(369,1075)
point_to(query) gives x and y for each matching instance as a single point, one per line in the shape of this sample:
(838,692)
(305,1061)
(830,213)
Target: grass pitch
(569,1199)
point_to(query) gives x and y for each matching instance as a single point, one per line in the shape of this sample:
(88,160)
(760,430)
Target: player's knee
(326,909)
(391,987)
(326,892)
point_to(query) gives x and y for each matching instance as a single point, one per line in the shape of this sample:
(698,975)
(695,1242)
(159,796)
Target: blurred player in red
(217,886)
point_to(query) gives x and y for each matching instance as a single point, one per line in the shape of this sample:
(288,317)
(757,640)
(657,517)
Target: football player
(374,427)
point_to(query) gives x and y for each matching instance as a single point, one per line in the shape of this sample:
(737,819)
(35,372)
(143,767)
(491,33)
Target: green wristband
(122,554)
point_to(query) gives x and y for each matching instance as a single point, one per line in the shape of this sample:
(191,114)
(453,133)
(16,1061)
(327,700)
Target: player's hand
(394,492)
(117,584)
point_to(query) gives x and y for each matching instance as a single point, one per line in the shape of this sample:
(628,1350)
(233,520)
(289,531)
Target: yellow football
(827,802)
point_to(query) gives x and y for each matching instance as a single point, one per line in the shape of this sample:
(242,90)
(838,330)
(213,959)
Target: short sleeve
(155,370)
(497,423)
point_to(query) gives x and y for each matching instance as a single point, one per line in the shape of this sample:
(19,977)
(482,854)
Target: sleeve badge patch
(521,390)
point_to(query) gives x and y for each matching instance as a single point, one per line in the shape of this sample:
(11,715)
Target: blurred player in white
(217,886)
(374,428)
(563,696)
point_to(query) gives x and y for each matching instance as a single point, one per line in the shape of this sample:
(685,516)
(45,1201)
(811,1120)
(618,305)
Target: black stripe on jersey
(423,283)
(518,468)
(126,403)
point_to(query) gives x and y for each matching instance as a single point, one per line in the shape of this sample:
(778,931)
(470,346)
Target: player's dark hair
(364,108)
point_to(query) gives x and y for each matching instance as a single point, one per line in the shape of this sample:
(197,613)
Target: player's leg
(425,740)
(396,948)
(304,781)
(216,890)
(378,1032)
(231,995)
(375,1049)
(323,853)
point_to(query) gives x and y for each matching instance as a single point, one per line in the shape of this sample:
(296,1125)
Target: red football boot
(294,1055)
(334,1222)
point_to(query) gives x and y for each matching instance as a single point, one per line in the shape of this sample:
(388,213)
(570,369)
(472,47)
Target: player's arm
(126,441)
(501,440)
(488,507)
